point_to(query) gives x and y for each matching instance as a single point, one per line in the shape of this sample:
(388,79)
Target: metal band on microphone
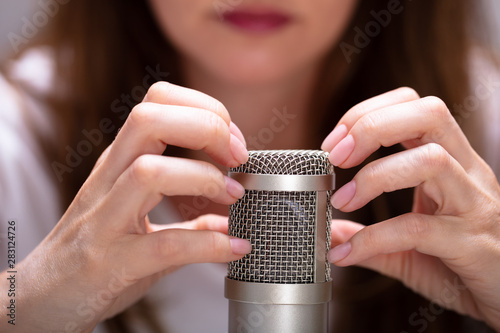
(273,293)
(284,182)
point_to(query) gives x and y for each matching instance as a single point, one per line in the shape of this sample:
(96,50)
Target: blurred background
(11,14)
(14,14)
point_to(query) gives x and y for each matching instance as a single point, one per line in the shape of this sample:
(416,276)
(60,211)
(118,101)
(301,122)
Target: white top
(188,300)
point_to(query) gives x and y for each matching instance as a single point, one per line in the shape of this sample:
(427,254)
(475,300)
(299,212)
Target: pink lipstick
(256,22)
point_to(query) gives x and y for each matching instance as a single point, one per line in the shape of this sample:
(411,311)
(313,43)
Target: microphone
(284,284)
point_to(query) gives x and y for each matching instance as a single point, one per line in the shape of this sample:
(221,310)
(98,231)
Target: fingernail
(339,252)
(240,246)
(234,188)
(344,195)
(240,153)
(236,131)
(334,138)
(342,151)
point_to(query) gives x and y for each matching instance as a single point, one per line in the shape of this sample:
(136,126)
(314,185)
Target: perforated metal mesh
(280,225)
(287,162)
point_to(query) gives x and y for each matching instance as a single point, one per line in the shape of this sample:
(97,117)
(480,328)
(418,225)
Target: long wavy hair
(103,49)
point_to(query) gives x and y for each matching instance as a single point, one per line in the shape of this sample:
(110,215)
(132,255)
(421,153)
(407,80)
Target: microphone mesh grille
(280,225)
(287,162)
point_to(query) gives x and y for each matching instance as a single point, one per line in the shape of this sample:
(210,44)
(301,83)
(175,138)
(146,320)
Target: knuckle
(214,128)
(167,245)
(144,170)
(359,110)
(370,238)
(214,183)
(158,89)
(215,242)
(417,227)
(372,173)
(369,123)
(408,92)
(436,106)
(220,110)
(140,115)
(434,156)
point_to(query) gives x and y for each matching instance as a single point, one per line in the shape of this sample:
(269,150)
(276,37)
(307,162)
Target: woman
(305,62)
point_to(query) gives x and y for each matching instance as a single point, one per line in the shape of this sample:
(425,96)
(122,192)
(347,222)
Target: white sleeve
(28,194)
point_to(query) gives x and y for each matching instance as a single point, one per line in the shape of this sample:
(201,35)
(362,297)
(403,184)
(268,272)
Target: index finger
(393,97)
(171,94)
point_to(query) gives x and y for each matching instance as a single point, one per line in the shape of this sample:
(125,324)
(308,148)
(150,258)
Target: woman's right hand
(104,254)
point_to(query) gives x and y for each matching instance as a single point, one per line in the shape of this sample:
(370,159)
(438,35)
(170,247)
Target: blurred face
(253,41)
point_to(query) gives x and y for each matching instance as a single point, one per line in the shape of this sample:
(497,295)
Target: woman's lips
(257,22)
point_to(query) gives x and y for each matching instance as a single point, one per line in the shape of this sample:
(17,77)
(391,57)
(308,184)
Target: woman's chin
(246,73)
(252,77)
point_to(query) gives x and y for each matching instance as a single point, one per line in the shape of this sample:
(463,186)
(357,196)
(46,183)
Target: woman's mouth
(256,21)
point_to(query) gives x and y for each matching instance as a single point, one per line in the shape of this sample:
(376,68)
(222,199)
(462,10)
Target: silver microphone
(284,284)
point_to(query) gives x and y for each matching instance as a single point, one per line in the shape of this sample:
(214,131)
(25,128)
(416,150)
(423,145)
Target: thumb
(342,231)
(397,265)
(160,250)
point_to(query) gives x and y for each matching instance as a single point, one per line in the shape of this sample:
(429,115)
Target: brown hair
(425,46)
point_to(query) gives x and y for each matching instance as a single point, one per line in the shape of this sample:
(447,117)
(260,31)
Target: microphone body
(284,284)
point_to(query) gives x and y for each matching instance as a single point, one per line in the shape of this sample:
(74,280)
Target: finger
(397,96)
(411,231)
(410,267)
(441,177)
(171,94)
(205,222)
(142,186)
(343,230)
(101,158)
(427,120)
(235,130)
(151,126)
(388,264)
(157,251)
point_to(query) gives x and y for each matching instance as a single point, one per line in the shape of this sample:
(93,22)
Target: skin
(452,234)
(453,231)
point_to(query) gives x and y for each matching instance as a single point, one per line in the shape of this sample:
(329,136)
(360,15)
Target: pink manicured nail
(240,246)
(234,188)
(334,138)
(342,151)
(344,195)
(239,151)
(339,252)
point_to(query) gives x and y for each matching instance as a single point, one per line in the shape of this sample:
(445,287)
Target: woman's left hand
(448,247)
